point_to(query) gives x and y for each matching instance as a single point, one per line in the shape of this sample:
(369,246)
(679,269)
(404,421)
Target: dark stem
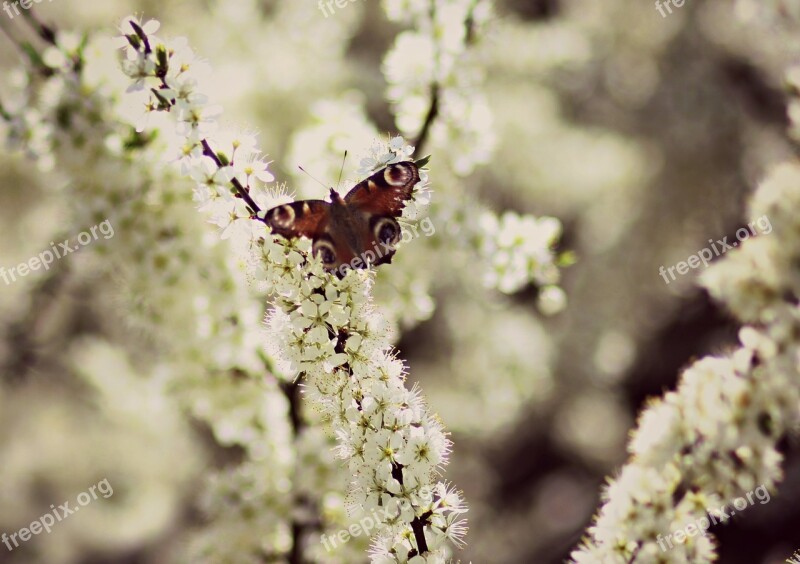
(143,36)
(292,392)
(433,109)
(27,355)
(433,112)
(418,524)
(240,190)
(295,555)
(419,535)
(47,33)
(469,38)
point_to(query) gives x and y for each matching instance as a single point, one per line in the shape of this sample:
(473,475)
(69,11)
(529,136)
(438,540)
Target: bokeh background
(643,135)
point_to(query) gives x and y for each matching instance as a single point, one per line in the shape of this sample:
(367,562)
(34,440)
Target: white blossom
(326,328)
(714,437)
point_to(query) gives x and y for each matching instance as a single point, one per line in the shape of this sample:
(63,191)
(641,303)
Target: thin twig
(433,113)
(292,392)
(46,32)
(240,190)
(433,109)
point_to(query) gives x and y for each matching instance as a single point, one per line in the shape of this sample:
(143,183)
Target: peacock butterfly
(356,231)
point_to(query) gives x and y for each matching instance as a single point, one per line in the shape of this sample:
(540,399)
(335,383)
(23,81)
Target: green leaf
(567,258)
(134,40)
(163,103)
(423,161)
(139,140)
(162,61)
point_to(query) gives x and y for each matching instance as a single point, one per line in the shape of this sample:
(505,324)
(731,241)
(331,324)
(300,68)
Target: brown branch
(23,334)
(240,190)
(433,113)
(418,523)
(298,528)
(44,31)
(433,109)
(419,535)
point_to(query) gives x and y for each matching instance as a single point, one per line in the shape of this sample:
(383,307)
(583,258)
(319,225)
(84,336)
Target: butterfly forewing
(385,192)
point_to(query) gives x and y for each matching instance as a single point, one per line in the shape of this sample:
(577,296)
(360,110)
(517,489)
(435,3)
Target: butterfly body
(346,225)
(356,231)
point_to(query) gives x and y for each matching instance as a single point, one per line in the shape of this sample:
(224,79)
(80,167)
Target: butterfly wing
(361,225)
(312,219)
(386,192)
(305,218)
(378,201)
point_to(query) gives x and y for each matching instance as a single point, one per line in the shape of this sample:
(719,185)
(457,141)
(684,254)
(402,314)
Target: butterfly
(357,231)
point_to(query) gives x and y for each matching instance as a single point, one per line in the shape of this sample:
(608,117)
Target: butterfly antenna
(313,177)
(341,170)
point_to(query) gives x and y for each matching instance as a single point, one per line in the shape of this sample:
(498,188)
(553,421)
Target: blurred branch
(763,99)
(535,10)
(44,31)
(22,335)
(299,527)
(433,112)
(433,109)
(240,190)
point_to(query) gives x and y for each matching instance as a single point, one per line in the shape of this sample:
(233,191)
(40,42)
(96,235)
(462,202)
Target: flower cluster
(43,426)
(519,249)
(715,436)
(328,330)
(339,125)
(433,61)
(438,60)
(171,273)
(321,326)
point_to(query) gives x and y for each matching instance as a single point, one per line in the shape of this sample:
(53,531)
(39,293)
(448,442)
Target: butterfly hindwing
(386,192)
(305,218)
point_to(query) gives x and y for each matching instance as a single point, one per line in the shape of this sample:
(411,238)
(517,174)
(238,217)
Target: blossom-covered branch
(715,437)
(170,272)
(321,326)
